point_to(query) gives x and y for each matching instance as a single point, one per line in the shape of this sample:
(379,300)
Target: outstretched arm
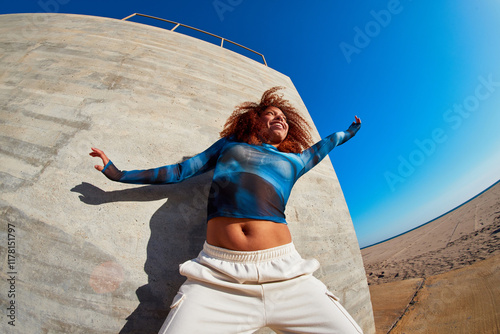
(314,154)
(196,165)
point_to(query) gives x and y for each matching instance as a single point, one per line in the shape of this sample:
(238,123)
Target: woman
(249,275)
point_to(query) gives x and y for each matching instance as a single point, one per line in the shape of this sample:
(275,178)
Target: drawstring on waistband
(249,256)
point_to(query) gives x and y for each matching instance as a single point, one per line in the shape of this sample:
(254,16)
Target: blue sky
(422,75)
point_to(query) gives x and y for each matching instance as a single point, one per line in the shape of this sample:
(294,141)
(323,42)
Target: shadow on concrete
(178,231)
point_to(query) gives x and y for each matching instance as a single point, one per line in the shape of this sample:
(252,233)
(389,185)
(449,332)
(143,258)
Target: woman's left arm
(314,154)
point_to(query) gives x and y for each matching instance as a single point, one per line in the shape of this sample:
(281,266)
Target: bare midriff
(246,234)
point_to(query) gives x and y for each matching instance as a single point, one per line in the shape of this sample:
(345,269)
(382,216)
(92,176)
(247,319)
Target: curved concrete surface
(93,256)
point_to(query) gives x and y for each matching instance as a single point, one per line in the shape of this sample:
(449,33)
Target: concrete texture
(92,256)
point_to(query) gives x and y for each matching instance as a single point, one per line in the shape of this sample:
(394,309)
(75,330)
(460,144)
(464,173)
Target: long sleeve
(314,154)
(196,165)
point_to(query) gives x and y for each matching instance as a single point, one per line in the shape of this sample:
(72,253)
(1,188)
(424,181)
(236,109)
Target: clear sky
(423,75)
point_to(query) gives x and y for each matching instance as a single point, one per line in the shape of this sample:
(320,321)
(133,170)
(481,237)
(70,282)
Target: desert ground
(443,277)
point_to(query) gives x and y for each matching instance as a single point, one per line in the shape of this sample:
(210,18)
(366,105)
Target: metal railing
(205,32)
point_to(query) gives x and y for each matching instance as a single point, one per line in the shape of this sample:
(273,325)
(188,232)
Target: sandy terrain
(460,238)
(464,301)
(443,277)
(390,301)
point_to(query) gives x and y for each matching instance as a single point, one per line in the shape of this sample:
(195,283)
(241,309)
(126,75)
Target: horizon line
(430,221)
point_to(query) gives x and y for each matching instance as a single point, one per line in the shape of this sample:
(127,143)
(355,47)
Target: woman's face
(274,126)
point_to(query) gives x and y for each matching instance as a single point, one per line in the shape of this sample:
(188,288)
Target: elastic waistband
(250,256)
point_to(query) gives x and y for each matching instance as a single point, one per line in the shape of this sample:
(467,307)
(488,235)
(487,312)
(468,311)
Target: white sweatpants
(234,292)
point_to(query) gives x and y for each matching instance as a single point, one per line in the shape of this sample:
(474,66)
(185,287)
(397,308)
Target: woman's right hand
(99,154)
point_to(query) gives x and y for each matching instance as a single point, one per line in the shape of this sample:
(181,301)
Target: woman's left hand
(355,126)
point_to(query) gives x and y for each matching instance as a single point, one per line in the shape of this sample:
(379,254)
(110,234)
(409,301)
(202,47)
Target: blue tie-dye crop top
(249,181)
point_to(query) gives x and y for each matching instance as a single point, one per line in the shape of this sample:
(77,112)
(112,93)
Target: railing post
(180,24)
(125,19)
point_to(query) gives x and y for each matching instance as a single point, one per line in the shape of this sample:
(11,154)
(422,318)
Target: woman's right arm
(196,165)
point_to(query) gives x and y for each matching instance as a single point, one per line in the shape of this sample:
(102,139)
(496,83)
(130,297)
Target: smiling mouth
(277,124)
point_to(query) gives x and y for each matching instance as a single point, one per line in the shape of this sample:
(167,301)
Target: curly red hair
(243,124)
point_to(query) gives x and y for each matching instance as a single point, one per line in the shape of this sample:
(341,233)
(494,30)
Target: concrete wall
(93,256)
